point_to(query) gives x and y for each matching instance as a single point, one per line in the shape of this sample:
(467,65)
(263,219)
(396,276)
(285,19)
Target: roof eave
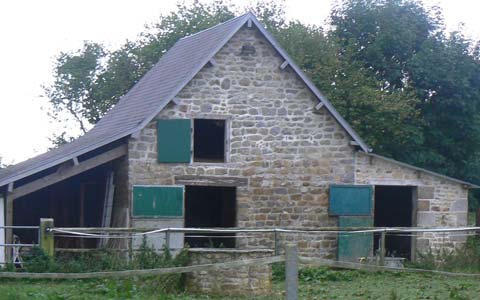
(82,151)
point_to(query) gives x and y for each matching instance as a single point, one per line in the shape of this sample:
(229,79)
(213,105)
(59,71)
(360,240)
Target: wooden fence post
(291,272)
(277,242)
(46,240)
(167,239)
(382,248)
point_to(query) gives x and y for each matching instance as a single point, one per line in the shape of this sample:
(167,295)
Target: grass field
(315,284)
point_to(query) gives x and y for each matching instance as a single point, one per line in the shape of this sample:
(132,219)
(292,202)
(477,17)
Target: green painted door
(352,246)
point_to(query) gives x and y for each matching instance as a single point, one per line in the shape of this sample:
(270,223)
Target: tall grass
(146,257)
(465,258)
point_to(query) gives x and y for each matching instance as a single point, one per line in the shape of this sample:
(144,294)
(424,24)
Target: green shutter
(350,200)
(174,141)
(157,201)
(352,246)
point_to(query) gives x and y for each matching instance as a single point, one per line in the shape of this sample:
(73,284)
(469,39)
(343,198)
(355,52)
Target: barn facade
(227,131)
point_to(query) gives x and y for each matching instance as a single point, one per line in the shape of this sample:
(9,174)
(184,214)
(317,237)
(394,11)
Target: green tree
(404,45)
(446,75)
(384,35)
(387,119)
(88,82)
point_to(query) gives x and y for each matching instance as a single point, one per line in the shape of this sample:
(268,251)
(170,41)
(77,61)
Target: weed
(393,295)
(278,271)
(107,260)
(324,274)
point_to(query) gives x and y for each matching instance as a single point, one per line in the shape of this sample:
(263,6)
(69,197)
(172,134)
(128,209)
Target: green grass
(315,284)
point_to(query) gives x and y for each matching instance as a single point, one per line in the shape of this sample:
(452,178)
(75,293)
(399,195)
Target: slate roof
(155,90)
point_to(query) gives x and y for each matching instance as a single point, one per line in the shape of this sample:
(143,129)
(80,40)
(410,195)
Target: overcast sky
(33,32)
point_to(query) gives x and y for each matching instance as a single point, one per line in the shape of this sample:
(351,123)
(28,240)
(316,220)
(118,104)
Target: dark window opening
(394,208)
(205,207)
(209,140)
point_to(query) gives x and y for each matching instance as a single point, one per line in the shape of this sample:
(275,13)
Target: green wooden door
(353,204)
(350,200)
(174,140)
(352,246)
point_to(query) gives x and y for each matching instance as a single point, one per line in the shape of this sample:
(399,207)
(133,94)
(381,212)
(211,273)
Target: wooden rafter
(67,172)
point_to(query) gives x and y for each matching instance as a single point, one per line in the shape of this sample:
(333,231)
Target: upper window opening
(209,140)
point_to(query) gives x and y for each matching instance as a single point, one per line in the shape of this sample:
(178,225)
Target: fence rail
(261,230)
(47,233)
(147,272)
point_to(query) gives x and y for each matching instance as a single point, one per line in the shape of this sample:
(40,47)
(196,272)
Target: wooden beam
(175,100)
(2,230)
(284,65)
(10,187)
(353,143)
(81,214)
(8,222)
(213,62)
(75,161)
(68,172)
(211,180)
(319,106)
(136,134)
(249,23)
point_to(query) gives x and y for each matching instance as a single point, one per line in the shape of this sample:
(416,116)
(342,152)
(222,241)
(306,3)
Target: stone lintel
(211,180)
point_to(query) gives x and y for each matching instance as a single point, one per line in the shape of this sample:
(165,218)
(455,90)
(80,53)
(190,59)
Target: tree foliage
(408,87)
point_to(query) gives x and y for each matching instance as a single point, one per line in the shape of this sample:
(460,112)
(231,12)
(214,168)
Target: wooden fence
(291,258)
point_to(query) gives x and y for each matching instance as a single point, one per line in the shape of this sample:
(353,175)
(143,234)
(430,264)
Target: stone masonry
(247,280)
(440,202)
(288,152)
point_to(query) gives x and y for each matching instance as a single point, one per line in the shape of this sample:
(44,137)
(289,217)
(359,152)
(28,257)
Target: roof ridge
(209,28)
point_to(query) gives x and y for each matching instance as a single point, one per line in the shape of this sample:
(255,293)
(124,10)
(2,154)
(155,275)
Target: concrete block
(157,240)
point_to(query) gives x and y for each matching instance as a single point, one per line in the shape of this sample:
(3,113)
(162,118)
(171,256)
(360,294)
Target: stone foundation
(248,280)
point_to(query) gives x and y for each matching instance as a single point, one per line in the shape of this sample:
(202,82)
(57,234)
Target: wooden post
(382,248)
(277,242)
(46,240)
(167,239)
(291,272)
(81,213)
(9,222)
(2,230)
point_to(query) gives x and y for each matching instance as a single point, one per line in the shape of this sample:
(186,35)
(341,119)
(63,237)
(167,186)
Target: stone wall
(247,280)
(440,202)
(287,153)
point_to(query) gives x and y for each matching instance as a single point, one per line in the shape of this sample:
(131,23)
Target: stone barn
(227,131)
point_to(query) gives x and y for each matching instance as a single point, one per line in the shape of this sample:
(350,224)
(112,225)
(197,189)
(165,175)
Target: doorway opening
(210,206)
(394,208)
